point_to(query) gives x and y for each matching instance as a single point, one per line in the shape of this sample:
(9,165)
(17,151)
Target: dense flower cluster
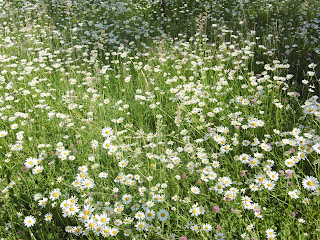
(112,128)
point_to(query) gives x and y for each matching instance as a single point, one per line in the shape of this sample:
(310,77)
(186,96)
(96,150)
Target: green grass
(215,92)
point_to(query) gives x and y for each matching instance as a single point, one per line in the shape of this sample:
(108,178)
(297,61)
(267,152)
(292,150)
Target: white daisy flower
(139,215)
(270,234)
(316,147)
(3,133)
(106,132)
(219,236)
(195,190)
(55,194)
(162,215)
(29,221)
(48,217)
(310,183)
(150,215)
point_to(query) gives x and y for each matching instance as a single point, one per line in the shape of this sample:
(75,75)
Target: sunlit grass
(118,121)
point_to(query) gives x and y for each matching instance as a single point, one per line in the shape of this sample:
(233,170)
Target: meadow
(120,120)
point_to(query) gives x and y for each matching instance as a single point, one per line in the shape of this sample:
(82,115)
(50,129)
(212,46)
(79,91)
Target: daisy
(215,164)
(316,147)
(244,158)
(37,170)
(171,237)
(103,219)
(270,234)
(127,220)
(219,236)
(195,210)
(246,199)
(273,175)
(127,232)
(135,207)
(310,183)
(114,232)
(29,221)
(30,162)
(195,190)
(48,217)
(3,133)
(250,227)
(55,194)
(162,215)
(117,222)
(106,231)
(188,225)
(227,181)
(106,132)
(106,144)
(212,175)
(97,230)
(118,209)
(150,204)
(225,149)
(90,224)
(59,179)
(266,147)
(150,215)
(123,163)
(269,184)
(126,199)
(289,162)
(294,194)
(195,228)
(258,214)
(219,188)
(43,202)
(140,226)
(253,187)
(206,227)
(77,231)
(72,210)
(306,201)
(254,162)
(68,229)
(139,215)
(148,227)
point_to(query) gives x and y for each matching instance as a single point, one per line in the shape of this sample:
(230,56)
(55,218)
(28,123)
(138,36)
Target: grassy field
(122,121)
